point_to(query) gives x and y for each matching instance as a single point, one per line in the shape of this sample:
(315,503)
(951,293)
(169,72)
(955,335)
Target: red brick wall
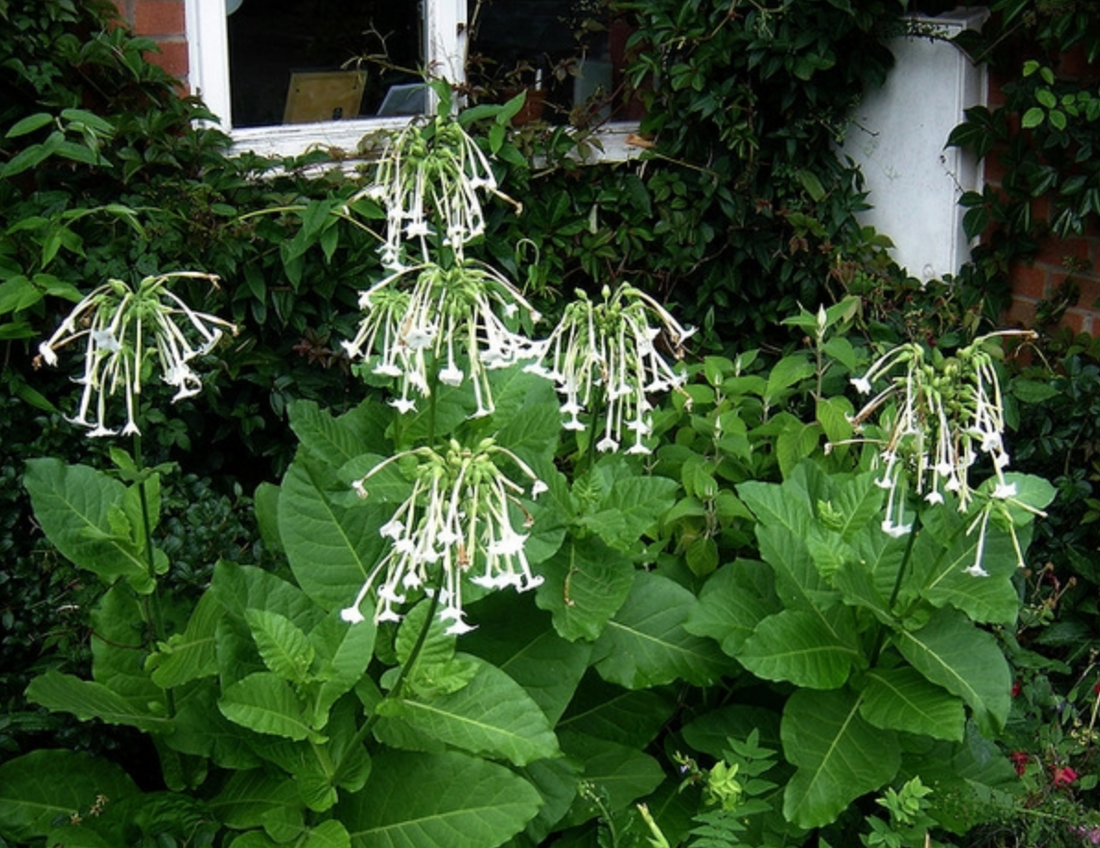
(1076,257)
(163,22)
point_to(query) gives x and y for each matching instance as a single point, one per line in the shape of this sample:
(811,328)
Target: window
(287,75)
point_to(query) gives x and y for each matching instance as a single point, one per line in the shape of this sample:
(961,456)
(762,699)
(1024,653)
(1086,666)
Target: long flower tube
(457,520)
(604,351)
(426,316)
(936,419)
(120,329)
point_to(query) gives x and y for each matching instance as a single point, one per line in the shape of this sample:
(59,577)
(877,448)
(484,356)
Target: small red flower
(1062,775)
(1015,688)
(1096,688)
(1019,761)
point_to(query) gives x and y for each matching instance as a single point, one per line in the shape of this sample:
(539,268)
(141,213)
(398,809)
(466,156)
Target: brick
(1074,319)
(1020,313)
(159,17)
(172,57)
(994,168)
(1089,286)
(1074,64)
(1068,253)
(1029,281)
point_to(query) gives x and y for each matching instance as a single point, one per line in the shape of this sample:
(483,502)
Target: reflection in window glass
(293,61)
(566,54)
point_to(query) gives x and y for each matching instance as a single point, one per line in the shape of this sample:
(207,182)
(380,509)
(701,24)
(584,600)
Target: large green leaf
(343,652)
(199,728)
(953,653)
(250,798)
(192,654)
(491,715)
(816,650)
(45,785)
(630,509)
(87,699)
(556,781)
(944,579)
(283,647)
(522,642)
(527,413)
(784,505)
(331,547)
(266,703)
(630,717)
(646,643)
(335,441)
(619,773)
(79,509)
(839,755)
(447,799)
(903,699)
(798,582)
(585,584)
(120,628)
(734,600)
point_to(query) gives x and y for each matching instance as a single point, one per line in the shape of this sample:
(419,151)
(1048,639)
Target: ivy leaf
(839,755)
(413,800)
(1033,117)
(903,699)
(646,643)
(953,653)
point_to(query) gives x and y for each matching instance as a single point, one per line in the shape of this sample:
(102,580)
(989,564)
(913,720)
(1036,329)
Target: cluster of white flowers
(941,416)
(605,353)
(119,328)
(428,182)
(446,308)
(458,518)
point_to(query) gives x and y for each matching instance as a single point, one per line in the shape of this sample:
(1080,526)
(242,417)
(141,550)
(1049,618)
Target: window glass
(298,61)
(567,55)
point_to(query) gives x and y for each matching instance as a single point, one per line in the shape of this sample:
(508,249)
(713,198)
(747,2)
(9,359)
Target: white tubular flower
(428,181)
(604,353)
(458,519)
(940,416)
(119,328)
(409,333)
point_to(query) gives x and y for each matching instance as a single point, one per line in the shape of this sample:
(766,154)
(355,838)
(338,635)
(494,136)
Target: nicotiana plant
(489,627)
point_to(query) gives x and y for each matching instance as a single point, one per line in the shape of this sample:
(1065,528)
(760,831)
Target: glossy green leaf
(839,755)
(452,799)
(646,643)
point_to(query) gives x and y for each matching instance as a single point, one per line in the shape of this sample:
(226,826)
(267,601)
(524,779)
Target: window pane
(567,55)
(292,61)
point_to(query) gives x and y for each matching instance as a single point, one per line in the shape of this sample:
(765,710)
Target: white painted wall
(898,136)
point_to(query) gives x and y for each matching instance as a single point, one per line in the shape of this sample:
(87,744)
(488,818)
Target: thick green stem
(881,639)
(365,731)
(154,613)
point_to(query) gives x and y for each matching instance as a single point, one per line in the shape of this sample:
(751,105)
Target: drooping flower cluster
(604,353)
(449,311)
(458,519)
(428,181)
(941,417)
(121,329)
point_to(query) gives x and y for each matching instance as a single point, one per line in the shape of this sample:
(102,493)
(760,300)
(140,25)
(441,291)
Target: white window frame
(444,47)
